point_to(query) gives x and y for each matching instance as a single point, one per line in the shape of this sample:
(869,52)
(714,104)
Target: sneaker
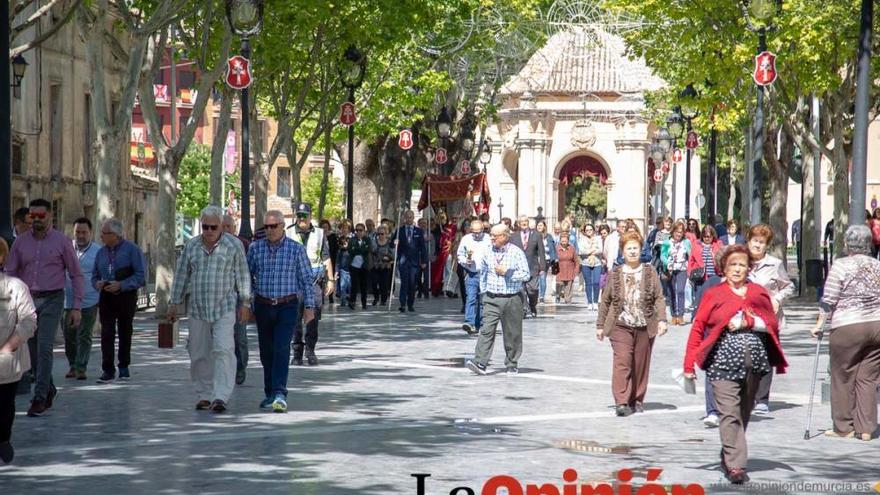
(476,367)
(240,377)
(7,453)
(106,377)
(711,421)
(638,407)
(218,406)
(834,434)
(279,405)
(622,410)
(512,371)
(50,398)
(311,358)
(124,374)
(38,408)
(81,375)
(469,329)
(71,373)
(411,309)
(866,437)
(737,476)
(203,405)
(761,409)
(267,403)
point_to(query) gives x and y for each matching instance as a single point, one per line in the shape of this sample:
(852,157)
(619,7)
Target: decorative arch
(581,163)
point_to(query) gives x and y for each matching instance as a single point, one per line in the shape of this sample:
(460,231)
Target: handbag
(554,267)
(697,275)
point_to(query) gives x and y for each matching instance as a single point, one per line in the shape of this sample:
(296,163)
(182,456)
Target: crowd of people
(716,277)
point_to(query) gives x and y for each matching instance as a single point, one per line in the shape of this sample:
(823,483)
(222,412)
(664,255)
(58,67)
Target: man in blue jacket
(412,254)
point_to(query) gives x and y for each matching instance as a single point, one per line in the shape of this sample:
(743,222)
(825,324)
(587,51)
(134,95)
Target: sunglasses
(272,225)
(38,214)
(210,227)
(302,215)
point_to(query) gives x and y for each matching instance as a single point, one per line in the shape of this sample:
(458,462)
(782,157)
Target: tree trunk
(296,167)
(731,200)
(259,165)
(218,147)
(809,230)
(168,166)
(778,176)
(325,173)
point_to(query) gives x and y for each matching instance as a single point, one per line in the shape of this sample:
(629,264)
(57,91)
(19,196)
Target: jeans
(473,310)
(49,311)
(241,346)
(78,340)
(542,285)
(408,284)
(275,331)
(677,282)
(344,285)
(591,281)
(117,310)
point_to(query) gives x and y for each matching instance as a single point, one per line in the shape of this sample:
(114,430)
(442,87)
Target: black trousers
(116,312)
(360,283)
(7,409)
(381,283)
(311,333)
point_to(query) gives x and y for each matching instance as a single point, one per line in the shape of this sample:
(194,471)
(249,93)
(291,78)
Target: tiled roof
(583,60)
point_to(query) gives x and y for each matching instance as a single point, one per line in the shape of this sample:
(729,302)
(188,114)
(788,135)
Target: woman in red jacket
(741,344)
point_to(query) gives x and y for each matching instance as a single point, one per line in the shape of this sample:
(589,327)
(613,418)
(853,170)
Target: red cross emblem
(404,139)
(765,69)
(238,72)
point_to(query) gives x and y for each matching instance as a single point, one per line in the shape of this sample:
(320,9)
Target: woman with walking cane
(740,347)
(852,299)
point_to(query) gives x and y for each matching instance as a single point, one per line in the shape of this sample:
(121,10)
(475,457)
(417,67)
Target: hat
(303,208)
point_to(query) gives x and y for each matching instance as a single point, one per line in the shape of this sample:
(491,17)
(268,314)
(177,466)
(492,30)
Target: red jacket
(718,306)
(696,258)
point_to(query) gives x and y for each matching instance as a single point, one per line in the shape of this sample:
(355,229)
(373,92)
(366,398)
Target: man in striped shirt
(503,269)
(281,276)
(213,272)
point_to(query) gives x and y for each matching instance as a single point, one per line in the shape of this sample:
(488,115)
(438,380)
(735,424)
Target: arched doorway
(582,188)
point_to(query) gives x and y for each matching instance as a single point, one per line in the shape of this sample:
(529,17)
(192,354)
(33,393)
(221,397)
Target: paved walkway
(392,398)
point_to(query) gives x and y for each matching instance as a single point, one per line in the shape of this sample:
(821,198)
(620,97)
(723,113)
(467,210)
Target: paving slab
(391,398)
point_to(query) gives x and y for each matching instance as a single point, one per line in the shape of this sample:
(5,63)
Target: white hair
(114,225)
(274,213)
(212,211)
(858,240)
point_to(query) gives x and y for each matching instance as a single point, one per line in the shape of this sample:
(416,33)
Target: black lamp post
(444,129)
(675,124)
(687,96)
(351,69)
(763,11)
(245,18)
(485,154)
(860,136)
(19,66)
(500,210)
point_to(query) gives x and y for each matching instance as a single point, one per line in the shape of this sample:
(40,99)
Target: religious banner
(442,189)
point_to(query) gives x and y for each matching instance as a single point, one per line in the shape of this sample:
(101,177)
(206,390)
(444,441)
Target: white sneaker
(711,421)
(761,409)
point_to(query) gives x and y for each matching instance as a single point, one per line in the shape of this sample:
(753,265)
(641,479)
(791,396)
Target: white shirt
(612,249)
(478,248)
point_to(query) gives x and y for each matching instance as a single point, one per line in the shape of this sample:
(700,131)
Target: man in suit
(412,254)
(531,243)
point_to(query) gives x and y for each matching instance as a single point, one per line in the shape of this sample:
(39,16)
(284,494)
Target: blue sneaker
(267,403)
(279,405)
(124,374)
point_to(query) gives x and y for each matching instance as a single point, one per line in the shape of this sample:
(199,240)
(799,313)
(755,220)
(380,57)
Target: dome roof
(583,60)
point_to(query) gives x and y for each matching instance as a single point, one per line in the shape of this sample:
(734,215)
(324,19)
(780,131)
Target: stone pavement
(391,398)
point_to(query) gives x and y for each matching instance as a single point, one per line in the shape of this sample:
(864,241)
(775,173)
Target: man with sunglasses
(281,276)
(119,273)
(41,258)
(213,272)
(314,239)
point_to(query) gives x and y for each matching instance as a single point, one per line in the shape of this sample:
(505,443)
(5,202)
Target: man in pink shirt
(41,258)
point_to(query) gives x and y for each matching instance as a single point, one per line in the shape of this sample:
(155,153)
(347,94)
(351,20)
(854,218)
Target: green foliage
(587,198)
(311,190)
(195,181)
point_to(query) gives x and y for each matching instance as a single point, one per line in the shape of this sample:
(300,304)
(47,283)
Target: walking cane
(396,247)
(813,386)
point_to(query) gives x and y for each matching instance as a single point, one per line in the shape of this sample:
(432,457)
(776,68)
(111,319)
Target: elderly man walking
(530,242)
(41,258)
(119,273)
(412,254)
(281,276)
(503,270)
(241,338)
(212,271)
(471,249)
(78,338)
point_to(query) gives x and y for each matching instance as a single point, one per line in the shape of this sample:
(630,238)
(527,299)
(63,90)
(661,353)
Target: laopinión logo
(509,485)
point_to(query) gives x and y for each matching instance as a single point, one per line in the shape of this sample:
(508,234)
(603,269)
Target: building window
(186,79)
(17,157)
(283,182)
(56,132)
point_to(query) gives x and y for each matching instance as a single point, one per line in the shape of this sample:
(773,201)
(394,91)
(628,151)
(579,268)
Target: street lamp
(245,18)
(500,211)
(352,69)
(486,153)
(444,124)
(762,11)
(19,66)
(688,96)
